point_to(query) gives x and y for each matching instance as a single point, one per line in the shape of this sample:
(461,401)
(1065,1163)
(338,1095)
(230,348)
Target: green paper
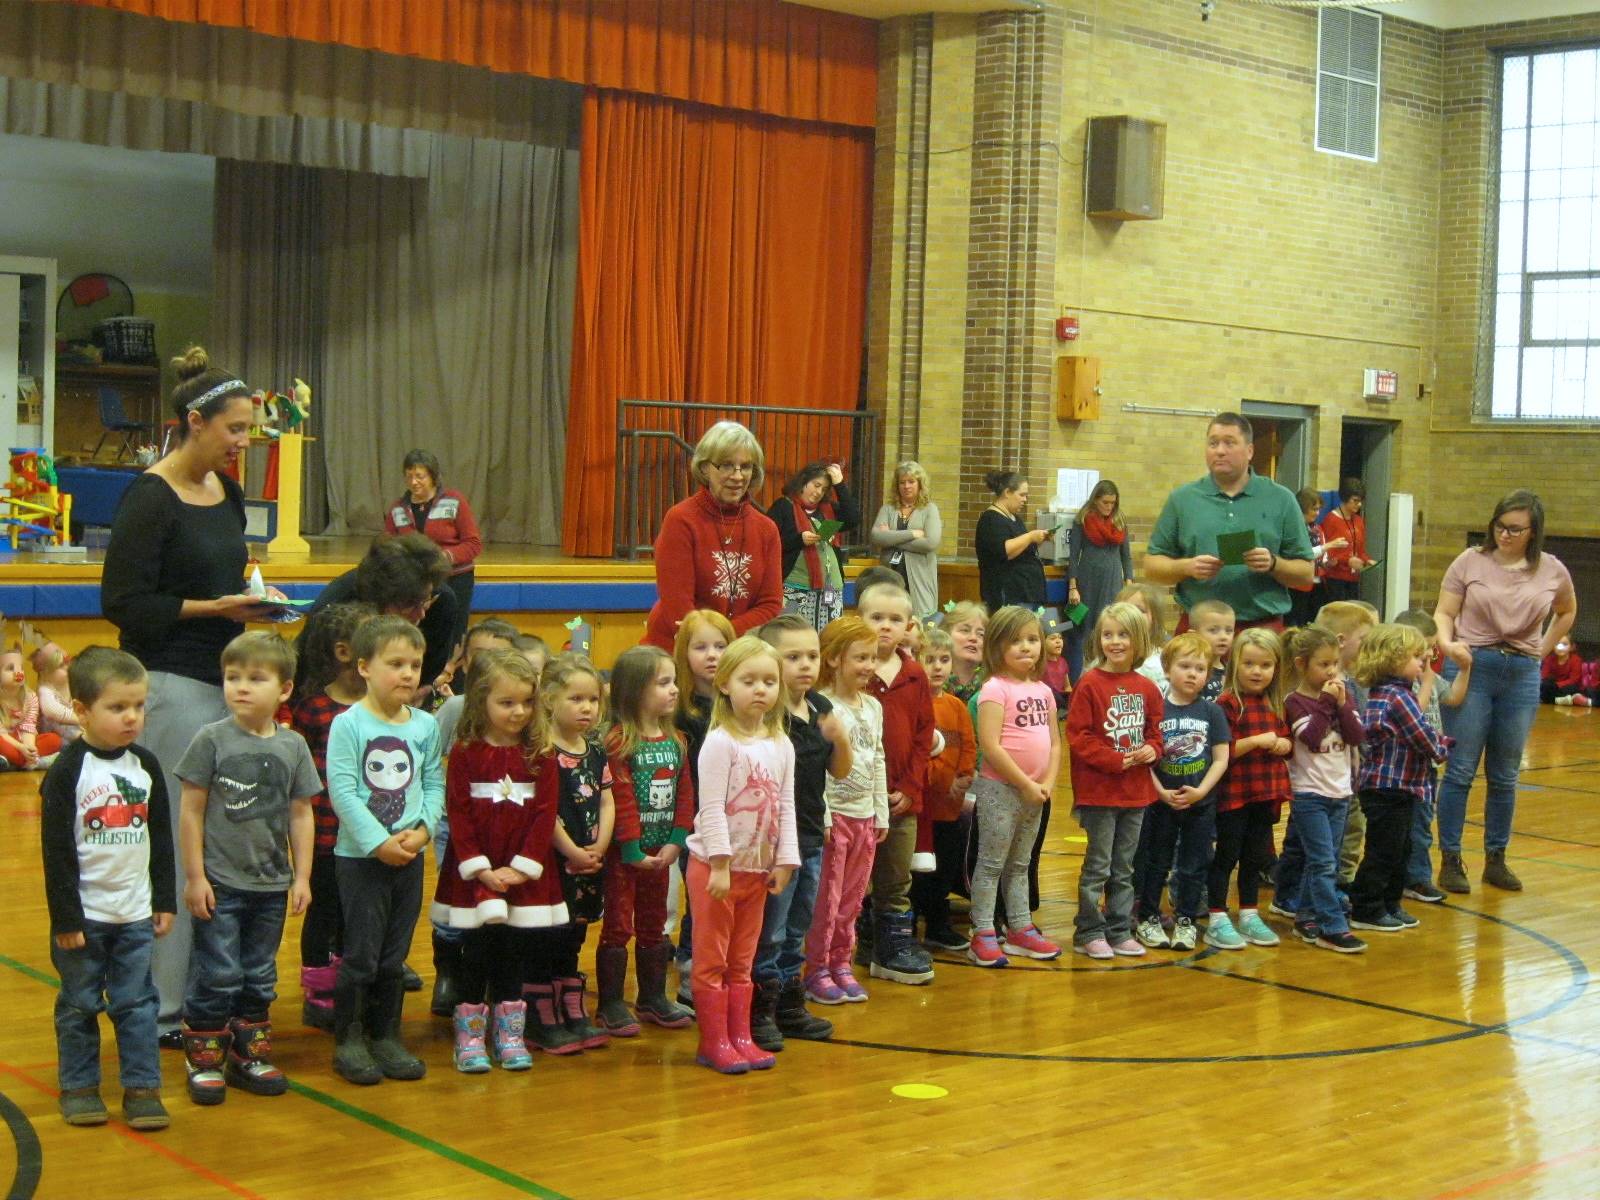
(1231,547)
(1076,614)
(826,529)
(287,603)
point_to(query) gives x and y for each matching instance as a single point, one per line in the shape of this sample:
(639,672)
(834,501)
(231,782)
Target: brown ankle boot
(1497,874)
(1452,875)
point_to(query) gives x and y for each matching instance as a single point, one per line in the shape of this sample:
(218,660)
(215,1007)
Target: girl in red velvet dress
(498,879)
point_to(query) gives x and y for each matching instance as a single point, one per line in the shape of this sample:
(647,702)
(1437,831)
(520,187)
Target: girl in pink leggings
(744,845)
(858,812)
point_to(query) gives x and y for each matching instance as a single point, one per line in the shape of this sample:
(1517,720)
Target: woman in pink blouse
(1508,603)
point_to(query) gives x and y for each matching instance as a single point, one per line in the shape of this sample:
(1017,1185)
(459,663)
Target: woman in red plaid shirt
(1255,788)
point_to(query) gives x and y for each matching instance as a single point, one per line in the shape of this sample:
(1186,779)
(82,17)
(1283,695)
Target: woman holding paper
(1009,570)
(1342,568)
(809,524)
(173,585)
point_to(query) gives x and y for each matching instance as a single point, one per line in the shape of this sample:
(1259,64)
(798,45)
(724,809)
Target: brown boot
(1497,874)
(1452,875)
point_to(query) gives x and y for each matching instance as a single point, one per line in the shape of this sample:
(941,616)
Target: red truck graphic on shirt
(125,810)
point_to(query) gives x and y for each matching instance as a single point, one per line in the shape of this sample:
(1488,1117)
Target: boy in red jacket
(901,686)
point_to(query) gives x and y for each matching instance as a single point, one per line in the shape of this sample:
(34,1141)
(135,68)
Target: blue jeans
(1492,723)
(233,969)
(1419,868)
(110,974)
(1319,824)
(1170,837)
(781,953)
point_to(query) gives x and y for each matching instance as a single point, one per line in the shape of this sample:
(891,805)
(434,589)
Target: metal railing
(656,439)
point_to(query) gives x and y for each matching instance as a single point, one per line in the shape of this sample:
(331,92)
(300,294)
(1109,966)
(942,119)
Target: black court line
(1582,762)
(1544,837)
(1576,986)
(30,1155)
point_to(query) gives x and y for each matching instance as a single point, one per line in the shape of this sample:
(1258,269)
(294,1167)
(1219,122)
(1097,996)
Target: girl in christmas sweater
(498,879)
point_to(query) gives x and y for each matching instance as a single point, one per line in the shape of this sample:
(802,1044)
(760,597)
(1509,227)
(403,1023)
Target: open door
(1283,441)
(1365,451)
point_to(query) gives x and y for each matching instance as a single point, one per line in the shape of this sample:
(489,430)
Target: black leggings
(322,931)
(495,957)
(553,953)
(930,891)
(1240,834)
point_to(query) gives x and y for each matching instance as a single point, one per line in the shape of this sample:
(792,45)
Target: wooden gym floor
(1456,1060)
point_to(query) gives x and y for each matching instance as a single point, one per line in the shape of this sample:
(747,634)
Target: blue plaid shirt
(1401,747)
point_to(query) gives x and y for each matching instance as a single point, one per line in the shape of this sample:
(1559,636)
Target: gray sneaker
(83,1106)
(1424,892)
(1383,924)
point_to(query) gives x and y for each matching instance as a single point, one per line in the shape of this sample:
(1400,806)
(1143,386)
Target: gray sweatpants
(174,712)
(1113,836)
(1007,825)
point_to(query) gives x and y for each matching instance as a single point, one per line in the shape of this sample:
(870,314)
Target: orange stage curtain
(722,259)
(764,56)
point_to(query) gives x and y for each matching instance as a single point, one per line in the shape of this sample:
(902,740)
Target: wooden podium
(288,544)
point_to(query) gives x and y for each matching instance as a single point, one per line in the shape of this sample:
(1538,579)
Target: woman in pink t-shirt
(1494,602)
(1020,744)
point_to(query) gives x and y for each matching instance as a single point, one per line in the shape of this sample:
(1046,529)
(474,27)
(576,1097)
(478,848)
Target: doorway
(1366,452)
(1283,441)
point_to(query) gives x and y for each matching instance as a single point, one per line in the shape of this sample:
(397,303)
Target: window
(1547,274)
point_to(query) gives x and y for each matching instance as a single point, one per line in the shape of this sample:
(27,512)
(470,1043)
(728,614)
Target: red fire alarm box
(1066,329)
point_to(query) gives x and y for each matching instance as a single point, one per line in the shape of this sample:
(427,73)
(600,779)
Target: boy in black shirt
(111,889)
(820,747)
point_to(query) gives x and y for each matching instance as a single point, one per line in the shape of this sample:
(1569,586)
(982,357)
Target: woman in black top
(1009,570)
(173,585)
(813,576)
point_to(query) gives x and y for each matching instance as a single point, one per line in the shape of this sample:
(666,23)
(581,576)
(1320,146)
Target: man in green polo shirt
(1183,547)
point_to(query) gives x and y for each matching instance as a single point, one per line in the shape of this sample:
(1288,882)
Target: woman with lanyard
(444,517)
(173,585)
(1009,570)
(813,583)
(907,533)
(1494,602)
(716,549)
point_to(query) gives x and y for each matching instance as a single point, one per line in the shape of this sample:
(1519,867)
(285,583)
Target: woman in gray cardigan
(907,532)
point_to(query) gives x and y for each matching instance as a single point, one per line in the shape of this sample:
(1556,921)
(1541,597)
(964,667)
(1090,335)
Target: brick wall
(1276,274)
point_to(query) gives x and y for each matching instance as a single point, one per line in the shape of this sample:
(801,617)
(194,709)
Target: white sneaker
(1150,933)
(1184,934)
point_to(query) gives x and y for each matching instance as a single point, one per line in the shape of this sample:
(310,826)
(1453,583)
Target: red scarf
(1102,531)
(802,522)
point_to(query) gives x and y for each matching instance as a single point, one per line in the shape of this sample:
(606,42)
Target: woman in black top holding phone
(1009,570)
(173,585)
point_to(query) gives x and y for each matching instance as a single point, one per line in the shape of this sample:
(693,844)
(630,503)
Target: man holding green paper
(1231,535)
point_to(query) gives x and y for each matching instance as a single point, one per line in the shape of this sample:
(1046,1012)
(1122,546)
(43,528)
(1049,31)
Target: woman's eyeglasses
(1505,530)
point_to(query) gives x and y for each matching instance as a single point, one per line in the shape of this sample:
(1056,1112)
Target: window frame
(1491,270)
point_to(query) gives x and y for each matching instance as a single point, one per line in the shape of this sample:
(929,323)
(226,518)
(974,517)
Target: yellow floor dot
(919,1091)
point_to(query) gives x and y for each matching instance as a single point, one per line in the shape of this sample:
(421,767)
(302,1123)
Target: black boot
(795,1019)
(385,999)
(611,973)
(654,1005)
(446,970)
(865,935)
(352,1060)
(764,1030)
(896,956)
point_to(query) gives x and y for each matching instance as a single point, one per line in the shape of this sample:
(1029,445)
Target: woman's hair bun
(192,362)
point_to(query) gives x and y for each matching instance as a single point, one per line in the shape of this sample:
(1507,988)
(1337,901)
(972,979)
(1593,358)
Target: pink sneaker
(1099,948)
(984,949)
(1030,943)
(845,978)
(1128,948)
(821,988)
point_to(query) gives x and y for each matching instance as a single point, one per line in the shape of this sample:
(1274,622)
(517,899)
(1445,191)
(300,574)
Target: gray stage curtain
(78,114)
(450,328)
(269,304)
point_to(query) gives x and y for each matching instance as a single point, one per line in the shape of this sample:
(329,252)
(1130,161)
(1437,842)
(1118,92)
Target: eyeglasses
(1511,530)
(743,468)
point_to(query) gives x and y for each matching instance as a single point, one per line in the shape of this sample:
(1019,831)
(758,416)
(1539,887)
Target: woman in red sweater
(445,518)
(716,549)
(1341,571)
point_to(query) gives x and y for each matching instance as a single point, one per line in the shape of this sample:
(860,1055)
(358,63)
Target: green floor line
(499,1175)
(526,1186)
